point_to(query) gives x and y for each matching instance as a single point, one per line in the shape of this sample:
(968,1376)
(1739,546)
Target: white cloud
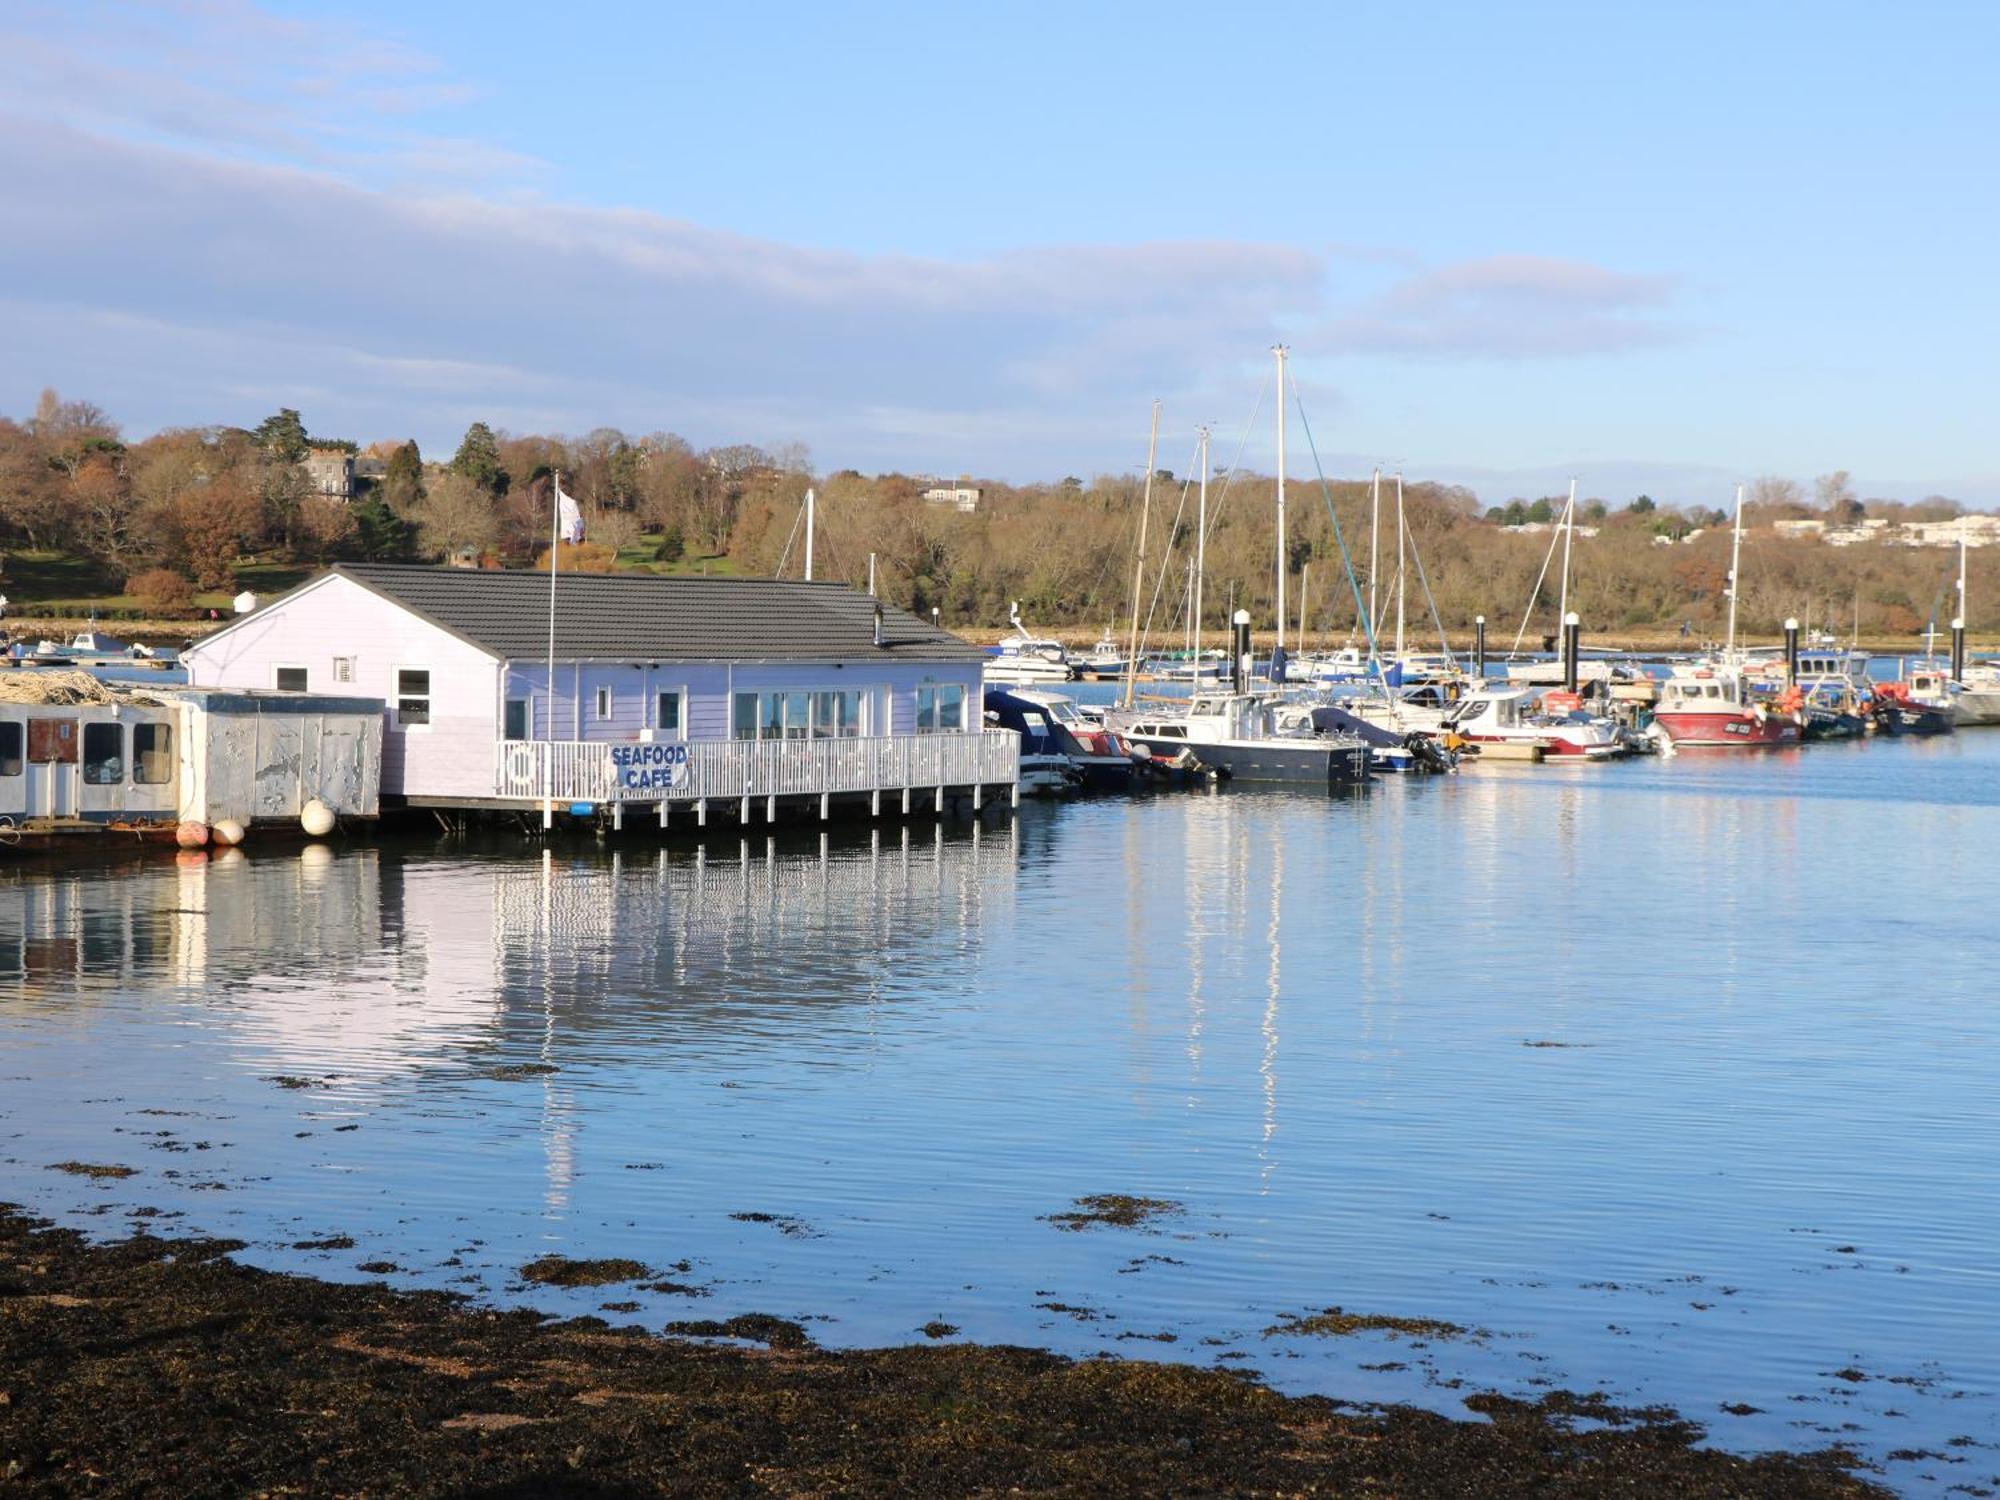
(1513,307)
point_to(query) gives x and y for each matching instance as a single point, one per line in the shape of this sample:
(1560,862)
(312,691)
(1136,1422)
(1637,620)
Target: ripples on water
(1675,1077)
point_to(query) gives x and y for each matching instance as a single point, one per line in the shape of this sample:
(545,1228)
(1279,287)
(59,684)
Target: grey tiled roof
(644,617)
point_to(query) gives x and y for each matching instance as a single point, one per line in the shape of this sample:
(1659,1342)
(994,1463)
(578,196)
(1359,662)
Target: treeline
(183,509)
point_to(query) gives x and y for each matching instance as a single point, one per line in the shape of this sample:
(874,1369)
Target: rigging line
(1333,518)
(1443,640)
(1536,593)
(1236,462)
(790,536)
(1167,554)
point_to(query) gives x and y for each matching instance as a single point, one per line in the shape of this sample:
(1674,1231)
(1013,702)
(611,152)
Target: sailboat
(1239,734)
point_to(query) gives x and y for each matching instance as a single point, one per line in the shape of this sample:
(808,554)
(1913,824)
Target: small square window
(291,679)
(343,669)
(670,714)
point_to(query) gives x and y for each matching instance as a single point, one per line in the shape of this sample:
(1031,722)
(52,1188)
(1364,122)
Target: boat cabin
(1701,691)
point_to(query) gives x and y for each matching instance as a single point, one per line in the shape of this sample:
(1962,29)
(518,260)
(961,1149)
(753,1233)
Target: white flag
(569,520)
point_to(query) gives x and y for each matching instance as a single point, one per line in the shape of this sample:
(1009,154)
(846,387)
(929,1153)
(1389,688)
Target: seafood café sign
(650,768)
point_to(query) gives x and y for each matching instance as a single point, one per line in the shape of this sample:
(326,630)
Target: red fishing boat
(1710,706)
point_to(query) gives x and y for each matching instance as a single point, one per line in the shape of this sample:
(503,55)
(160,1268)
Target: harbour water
(1673,1079)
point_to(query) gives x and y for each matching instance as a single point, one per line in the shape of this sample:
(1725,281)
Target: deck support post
(743,813)
(824,802)
(771,808)
(978,795)
(940,802)
(1014,795)
(875,803)
(906,800)
(663,812)
(617,817)
(701,812)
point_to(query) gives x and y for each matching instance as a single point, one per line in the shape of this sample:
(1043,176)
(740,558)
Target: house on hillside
(962,496)
(331,471)
(733,695)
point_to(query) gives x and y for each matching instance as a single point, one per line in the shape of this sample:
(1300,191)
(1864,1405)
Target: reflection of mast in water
(1267,1067)
(1196,934)
(558,1126)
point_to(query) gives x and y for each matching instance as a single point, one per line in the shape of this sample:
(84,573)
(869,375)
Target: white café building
(729,696)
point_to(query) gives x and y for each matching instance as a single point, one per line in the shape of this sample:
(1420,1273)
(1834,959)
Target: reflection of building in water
(703,936)
(370,961)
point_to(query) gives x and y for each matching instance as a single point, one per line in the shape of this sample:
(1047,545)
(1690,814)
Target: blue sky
(1662,250)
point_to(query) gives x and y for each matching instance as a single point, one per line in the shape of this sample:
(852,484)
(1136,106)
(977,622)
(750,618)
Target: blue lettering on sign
(650,768)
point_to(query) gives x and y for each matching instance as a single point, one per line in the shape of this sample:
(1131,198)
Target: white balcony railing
(590,771)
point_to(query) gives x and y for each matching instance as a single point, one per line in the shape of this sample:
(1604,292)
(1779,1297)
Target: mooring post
(1240,643)
(1479,645)
(1572,647)
(1958,648)
(1791,651)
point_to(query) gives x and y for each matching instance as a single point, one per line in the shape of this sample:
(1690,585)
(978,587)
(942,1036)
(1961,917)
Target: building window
(516,724)
(12,754)
(291,679)
(604,703)
(413,697)
(669,724)
(103,754)
(152,754)
(743,716)
(343,669)
(941,710)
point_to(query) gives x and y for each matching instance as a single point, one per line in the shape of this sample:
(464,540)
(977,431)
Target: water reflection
(1608,1062)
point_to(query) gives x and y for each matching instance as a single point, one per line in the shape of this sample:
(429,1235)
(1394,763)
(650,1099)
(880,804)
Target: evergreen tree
(478,459)
(283,436)
(403,483)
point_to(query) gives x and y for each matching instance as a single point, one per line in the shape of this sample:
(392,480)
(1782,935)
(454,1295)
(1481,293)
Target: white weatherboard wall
(335,617)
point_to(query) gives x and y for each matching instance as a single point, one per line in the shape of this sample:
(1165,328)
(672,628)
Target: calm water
(1676,1078)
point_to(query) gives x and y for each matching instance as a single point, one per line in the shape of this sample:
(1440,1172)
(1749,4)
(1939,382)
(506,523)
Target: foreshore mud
(151,1366)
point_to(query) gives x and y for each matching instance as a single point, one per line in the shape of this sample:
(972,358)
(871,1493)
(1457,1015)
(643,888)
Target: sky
(1658,248)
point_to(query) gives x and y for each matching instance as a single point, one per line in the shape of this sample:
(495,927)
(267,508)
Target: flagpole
(549,759)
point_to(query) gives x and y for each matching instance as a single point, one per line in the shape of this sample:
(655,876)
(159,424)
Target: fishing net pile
(54,688)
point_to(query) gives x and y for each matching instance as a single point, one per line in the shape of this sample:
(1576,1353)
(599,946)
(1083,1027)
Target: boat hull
(1300,763)
(1736,730)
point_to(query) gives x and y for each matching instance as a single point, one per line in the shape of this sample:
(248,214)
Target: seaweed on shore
(1336,1322)
(150,1366)
(560,1270)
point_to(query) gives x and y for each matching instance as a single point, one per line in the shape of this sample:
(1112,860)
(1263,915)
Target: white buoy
(227,833)
(316,818)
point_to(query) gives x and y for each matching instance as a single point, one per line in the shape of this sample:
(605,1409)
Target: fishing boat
(1024,658)
(1971,693)
(1238,735)
(1105,660)
(1069,751)
(1513,716)
(1897,710)
(1712,706)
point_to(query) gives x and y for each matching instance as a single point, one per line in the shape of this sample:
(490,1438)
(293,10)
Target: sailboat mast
(1375,557)
(1401,550)
(1569,535)
(1200,549)
(1305,582)
(1280,352)
(1139,563)
(1735,563)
